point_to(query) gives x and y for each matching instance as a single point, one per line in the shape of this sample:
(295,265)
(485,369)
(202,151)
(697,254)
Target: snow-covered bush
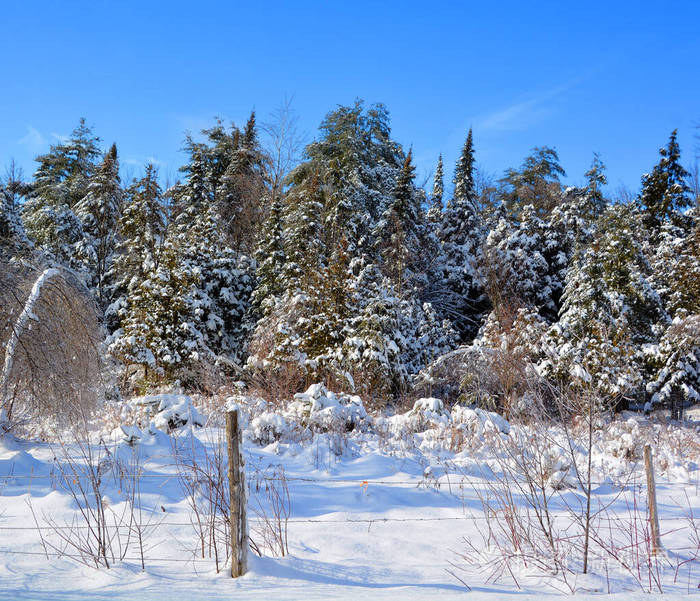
(625,440)
(426,413)
(269,427)
(317,410)
(478,421)
(321,410)
(678,359)
(170,411)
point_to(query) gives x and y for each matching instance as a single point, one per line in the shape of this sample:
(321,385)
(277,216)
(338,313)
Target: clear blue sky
(612,77)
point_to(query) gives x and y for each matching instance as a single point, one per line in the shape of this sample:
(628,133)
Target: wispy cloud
(524,112)
(60,137)
(33,139)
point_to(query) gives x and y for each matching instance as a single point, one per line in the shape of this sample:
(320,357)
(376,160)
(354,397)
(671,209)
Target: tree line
(339,268)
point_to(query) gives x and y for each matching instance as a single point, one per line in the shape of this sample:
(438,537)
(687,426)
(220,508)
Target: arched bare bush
(49,347)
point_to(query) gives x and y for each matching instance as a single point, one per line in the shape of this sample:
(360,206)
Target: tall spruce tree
(435,211)
(665,189)
(99,212)
(60,182)
(596,179)
(141,235)
(271,259)
(457,293)
(463,179)
(397,232)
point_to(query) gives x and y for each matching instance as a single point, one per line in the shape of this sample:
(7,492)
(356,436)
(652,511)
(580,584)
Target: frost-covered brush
(98,535)
(584,402)
(52,364)
(523,531)
(693,557)
(625,538)
(202,476)
(140,523)
(272,507)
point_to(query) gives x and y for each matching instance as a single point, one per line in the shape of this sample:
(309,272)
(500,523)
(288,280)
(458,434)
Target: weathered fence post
(651,492)
(236,481)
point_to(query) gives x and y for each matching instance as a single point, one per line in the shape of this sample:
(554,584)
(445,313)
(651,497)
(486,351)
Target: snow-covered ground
(381,512)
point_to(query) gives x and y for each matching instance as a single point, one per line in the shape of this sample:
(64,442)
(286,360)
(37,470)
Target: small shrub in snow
(269,427)
(478,421)
(247,406)
(169,411)
(426,413)
(323,411)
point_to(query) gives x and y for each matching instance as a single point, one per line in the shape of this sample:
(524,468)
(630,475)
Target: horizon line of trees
(339,268)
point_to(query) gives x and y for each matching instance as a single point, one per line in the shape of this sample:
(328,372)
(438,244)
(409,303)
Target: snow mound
(269,427)
(321,410)
(478,421)
(16,461)
(426,414)
(169,412)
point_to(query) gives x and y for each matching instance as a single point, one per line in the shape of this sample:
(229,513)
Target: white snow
(383,515)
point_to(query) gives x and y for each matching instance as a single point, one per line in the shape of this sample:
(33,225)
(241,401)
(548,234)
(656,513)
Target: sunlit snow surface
(340,546)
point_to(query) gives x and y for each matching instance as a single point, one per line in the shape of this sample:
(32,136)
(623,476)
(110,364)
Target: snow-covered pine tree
(677,362)
(436,336)
(298,306)
(397,232)
(359,163)
(99,212)
(141,235)
(609,310)
(224,280)
(463,179)
(517,272)
(675,265)
(665,189)
(142,226)
(271,261)
(569,226)
(596,179)
(60,181)
(457,293)
(13,238)
(160,336)
(373,351)
(435,210)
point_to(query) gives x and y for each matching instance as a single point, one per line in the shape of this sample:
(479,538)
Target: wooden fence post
(651,492)
(236,482)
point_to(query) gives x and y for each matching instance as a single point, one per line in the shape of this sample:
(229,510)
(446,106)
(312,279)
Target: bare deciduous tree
(284,144)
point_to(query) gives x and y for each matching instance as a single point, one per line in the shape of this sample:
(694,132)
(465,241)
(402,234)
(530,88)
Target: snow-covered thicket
(351,274)
(443,466)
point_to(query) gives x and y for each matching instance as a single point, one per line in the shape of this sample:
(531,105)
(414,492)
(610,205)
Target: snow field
(381,510)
